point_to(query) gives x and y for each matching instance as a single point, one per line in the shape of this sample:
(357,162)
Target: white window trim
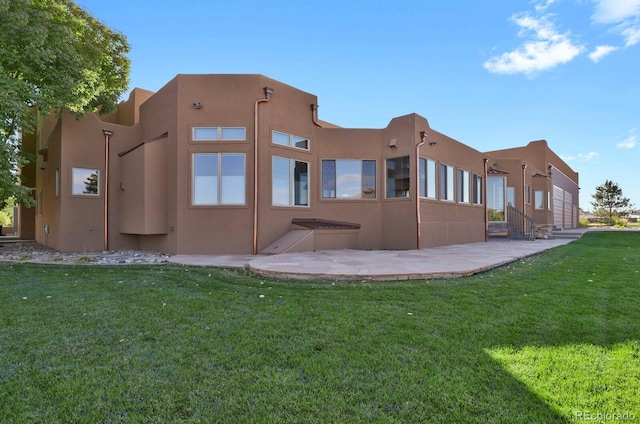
(434,195)
(291,143)
(218,179)
(97,172)
(292,183)
(450,187)
(219,132)
(466,188)
(361,172)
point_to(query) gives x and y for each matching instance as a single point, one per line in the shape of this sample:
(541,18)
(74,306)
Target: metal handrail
(520,224)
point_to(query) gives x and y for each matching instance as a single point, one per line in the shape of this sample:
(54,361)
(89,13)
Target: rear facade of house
(241,164)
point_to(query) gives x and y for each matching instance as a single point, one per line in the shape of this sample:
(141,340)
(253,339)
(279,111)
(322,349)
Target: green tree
(53,55)
(609,201)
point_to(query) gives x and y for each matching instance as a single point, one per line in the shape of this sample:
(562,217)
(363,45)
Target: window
(478,190)
(290,182)
(349,179)
(283,139)
(218,179)
(527,194)
(219,133)
(495,199)
(463,187)
(84,182)
(511,196)
(57,182)
(398,177)
(446,182)
(539,200)
(428,172)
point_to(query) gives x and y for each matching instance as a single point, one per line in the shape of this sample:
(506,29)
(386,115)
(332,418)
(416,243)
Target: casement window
(218,179)
(290,182)
(85,182)
(219,134)
(428,175)
(398,181)
(496,199)
(290,140)
(539,200)
(447,177)
(464,191)
(478,189)
(527,194)
(348,179)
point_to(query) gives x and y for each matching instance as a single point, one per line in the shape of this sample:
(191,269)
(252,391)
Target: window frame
(447,183)
(291,143)
(536,204)
(336,177)
(291,184)
(428,186)
(404,177)
(219,133)
(73,183)
(219,192)
(477,190)
(463,186)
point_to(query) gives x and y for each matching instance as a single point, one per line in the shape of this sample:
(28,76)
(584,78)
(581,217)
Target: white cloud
(629,142)
(588,156)
(624,15)
(542,6)
(600,52)
(545,49)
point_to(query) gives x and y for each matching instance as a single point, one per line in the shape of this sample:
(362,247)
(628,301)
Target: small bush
(584,222)
(618,222)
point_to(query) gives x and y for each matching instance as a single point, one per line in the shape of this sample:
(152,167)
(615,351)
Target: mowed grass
(552,338)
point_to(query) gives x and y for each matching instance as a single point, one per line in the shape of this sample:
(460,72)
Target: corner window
(85,182)
(539,200)
(218,179)
(290,140)
(478,190)
(349,179)
(219,134)
(464,195)
(398,181)
(428,173)
(290,182)
(446,182)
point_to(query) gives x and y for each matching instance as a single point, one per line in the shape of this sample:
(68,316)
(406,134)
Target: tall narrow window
(463,187)
(349,179)
(447,190)
(539,200)
(218,179)
(290,182)
(496,199)
(478,189)
(511,196)
(398,181)
(428,178)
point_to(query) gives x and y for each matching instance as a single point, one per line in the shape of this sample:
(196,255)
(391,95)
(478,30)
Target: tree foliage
(53,55)
(609,201)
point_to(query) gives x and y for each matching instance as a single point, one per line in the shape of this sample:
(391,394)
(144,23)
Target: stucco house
(226,164)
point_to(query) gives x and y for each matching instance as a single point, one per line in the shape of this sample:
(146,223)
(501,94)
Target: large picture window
(290,140)
(218,179)
(398,181)
(85,182)
(219,134)
(428,175)
(349,179)
(447,191)
(290,182)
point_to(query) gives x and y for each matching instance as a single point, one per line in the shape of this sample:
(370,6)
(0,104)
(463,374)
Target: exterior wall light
(197,105)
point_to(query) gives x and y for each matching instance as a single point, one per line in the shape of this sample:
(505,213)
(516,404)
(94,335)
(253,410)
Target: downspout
(267,92)
(107,138)
(484,200)
(524,196)
(423,135)
(314,114)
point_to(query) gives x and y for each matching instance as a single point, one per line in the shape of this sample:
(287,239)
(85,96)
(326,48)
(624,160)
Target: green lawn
(552,338)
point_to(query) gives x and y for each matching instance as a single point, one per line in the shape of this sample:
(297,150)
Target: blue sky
(492,74)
